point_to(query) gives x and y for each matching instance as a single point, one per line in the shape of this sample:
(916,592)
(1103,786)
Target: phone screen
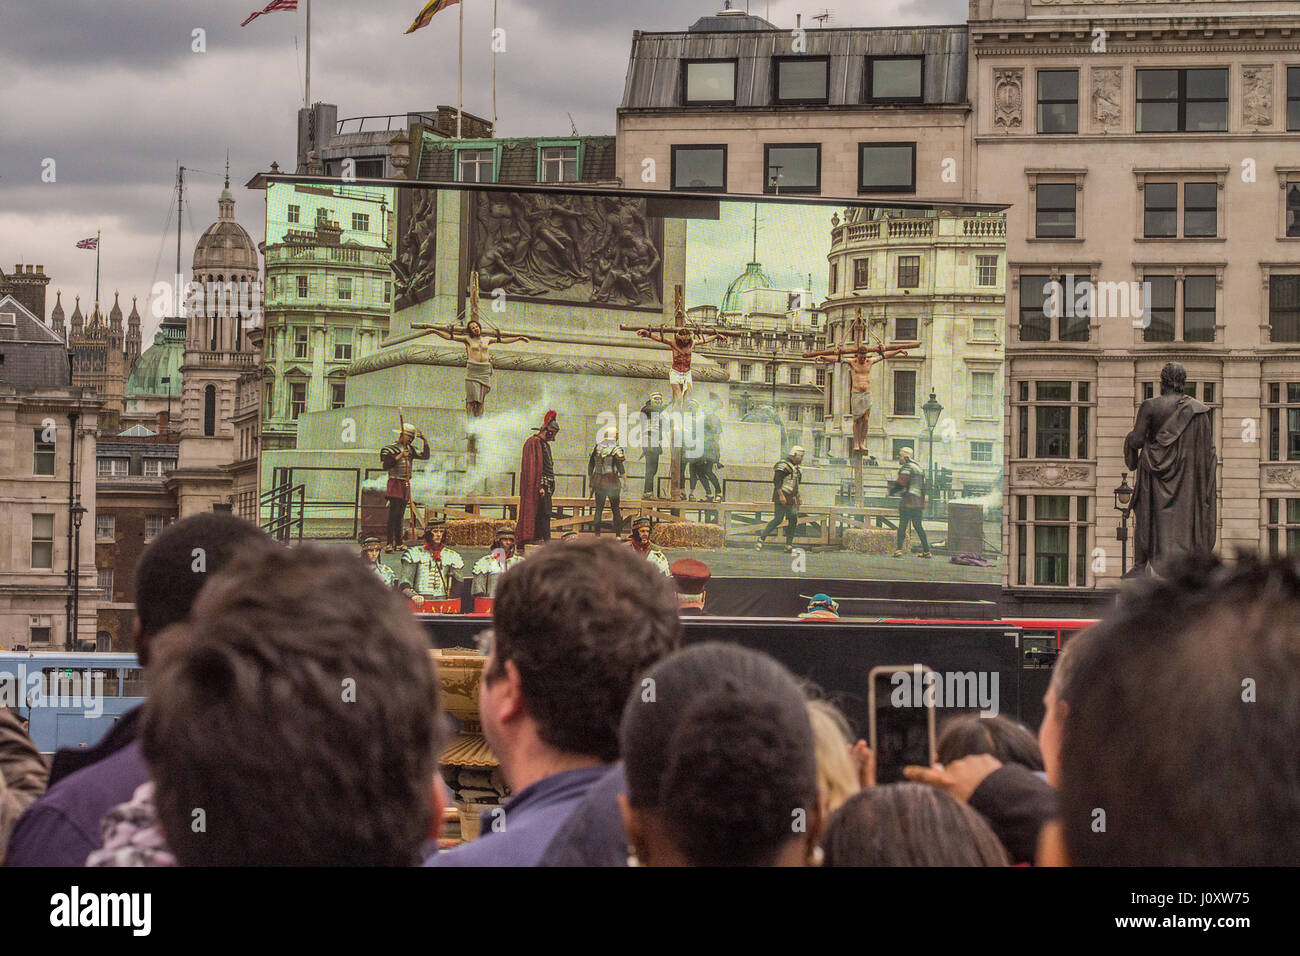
(903,733)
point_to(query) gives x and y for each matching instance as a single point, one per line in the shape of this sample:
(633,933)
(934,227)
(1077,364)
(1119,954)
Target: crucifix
(860,359)
(682,343)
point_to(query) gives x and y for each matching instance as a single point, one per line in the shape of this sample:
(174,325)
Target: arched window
(213,322)
(210,411)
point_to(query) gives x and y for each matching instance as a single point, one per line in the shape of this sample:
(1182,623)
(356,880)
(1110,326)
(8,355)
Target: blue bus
(70,700)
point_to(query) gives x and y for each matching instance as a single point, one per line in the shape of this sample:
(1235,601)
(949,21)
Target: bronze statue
(1171,450)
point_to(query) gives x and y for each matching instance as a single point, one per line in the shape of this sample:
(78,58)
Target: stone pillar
(316,398)
(278,387)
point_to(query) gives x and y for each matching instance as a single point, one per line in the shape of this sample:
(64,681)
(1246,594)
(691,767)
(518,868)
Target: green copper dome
(752,278)
(163,358)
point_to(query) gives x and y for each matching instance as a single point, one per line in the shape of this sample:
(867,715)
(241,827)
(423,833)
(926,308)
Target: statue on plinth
(1171,450)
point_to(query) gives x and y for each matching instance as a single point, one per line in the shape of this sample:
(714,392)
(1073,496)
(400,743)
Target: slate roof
(518,158)
(654,69)
(31,354)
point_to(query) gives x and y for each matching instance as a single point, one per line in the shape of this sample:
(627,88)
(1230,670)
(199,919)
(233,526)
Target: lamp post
(1124,505)
(78,512)
(932,410)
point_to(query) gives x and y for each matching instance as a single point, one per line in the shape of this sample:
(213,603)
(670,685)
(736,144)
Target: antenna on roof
(573,127)
(823,18)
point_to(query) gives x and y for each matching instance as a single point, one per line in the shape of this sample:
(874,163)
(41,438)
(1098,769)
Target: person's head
(690,577)
(1183,722)
(550,427)
(370,547)
(909,824)
(861,353)
(179,561)
(298,709)
(473,329)
(1172,378)
(607,432)
(904,455)
(682,338)
(435,533)
(796,454)
(504,540)
(824,603)
(407,434)
(656,399)
(719,757)
(574,626)
(837,775)
(1056,708)
(998,736)
(641,528)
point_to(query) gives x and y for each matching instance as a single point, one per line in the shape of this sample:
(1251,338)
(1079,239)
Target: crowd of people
(1169,736)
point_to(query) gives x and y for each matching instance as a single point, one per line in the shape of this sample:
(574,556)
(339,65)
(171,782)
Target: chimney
(40,270)
(31,269)
(162,423)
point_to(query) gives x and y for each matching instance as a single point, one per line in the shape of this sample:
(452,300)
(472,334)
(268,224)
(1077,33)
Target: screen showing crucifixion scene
(798,402)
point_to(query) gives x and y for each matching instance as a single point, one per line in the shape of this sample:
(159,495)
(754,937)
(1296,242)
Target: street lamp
(932,410)
(1124,505)
(78,512)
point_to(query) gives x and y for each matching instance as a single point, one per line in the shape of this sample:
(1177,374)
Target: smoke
(500,439)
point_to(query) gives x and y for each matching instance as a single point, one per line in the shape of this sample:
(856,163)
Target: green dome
(162,359)
(752,278)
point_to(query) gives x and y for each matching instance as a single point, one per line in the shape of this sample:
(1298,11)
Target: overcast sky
(114,94)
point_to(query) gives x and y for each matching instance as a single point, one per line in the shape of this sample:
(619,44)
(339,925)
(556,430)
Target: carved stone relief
(1008,98)
(1106,111)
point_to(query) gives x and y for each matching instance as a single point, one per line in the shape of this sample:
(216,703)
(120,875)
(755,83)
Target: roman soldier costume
(396,460)
(644,548)
(430,568)
(488,569)
(385,573)
(606,468)
(537,484)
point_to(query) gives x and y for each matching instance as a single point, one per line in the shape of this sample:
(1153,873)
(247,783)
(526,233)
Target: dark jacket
(69,760)
(593,835)
(1017,803)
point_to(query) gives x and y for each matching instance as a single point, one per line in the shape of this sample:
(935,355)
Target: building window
(155,467)
(43,454)
(1293,208)
(1182,101)
(746,371)
(894,79)
(1200,314)
(984,329)
(1058,529)
(834,279)
(909,272)
(820,373)
(1283,407)
(1060,413)
(1200,210)
(345,287)
(297,399)
(1160,212)
(793,168)
(210,411)
(886,167)
(802,79)
(986,270)
(1283,526)
(343,345)
(295,214)
(796,372)
(1058,101)
(388,292)
(40,630)
(302,287)
(337,394)
(709,82)
(1284,308)
(981,452)
(42,541)
(701,168)
(360,222)
(557,164)
(1160,309)
(905,328)
(105,582)
(1054,214)
(769,374)
(896,445)
(300,346)
(475,165)
(984,397)
(1047,298)
(112,467)
(1293,98)
(861,273)
(792,414)
(153,525)
(905,392)
(105,527)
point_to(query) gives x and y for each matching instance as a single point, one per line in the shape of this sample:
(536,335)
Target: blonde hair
(837,776)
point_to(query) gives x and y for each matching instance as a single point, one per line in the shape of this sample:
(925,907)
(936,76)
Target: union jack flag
(271,8)
(91,243)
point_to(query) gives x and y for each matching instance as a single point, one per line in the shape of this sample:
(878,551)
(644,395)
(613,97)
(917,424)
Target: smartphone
(901,720)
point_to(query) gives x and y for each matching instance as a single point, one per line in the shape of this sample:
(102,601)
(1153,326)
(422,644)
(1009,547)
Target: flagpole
(97,234)
(460,65)
(494,67)
(307,82)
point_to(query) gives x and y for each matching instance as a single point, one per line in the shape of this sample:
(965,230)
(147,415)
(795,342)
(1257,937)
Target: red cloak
(530,489)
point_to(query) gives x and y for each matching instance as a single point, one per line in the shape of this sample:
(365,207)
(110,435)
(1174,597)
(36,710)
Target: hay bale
(472,532)
(870,540)
(687,534)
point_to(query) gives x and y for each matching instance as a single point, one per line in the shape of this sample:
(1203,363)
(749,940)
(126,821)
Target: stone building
(102,355)
(1140,143)
(47,486)
(937,280)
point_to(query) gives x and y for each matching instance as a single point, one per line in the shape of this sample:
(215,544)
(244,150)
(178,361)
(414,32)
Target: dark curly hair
(582,620)
(720,744)
(1001,737)
(1184,713)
